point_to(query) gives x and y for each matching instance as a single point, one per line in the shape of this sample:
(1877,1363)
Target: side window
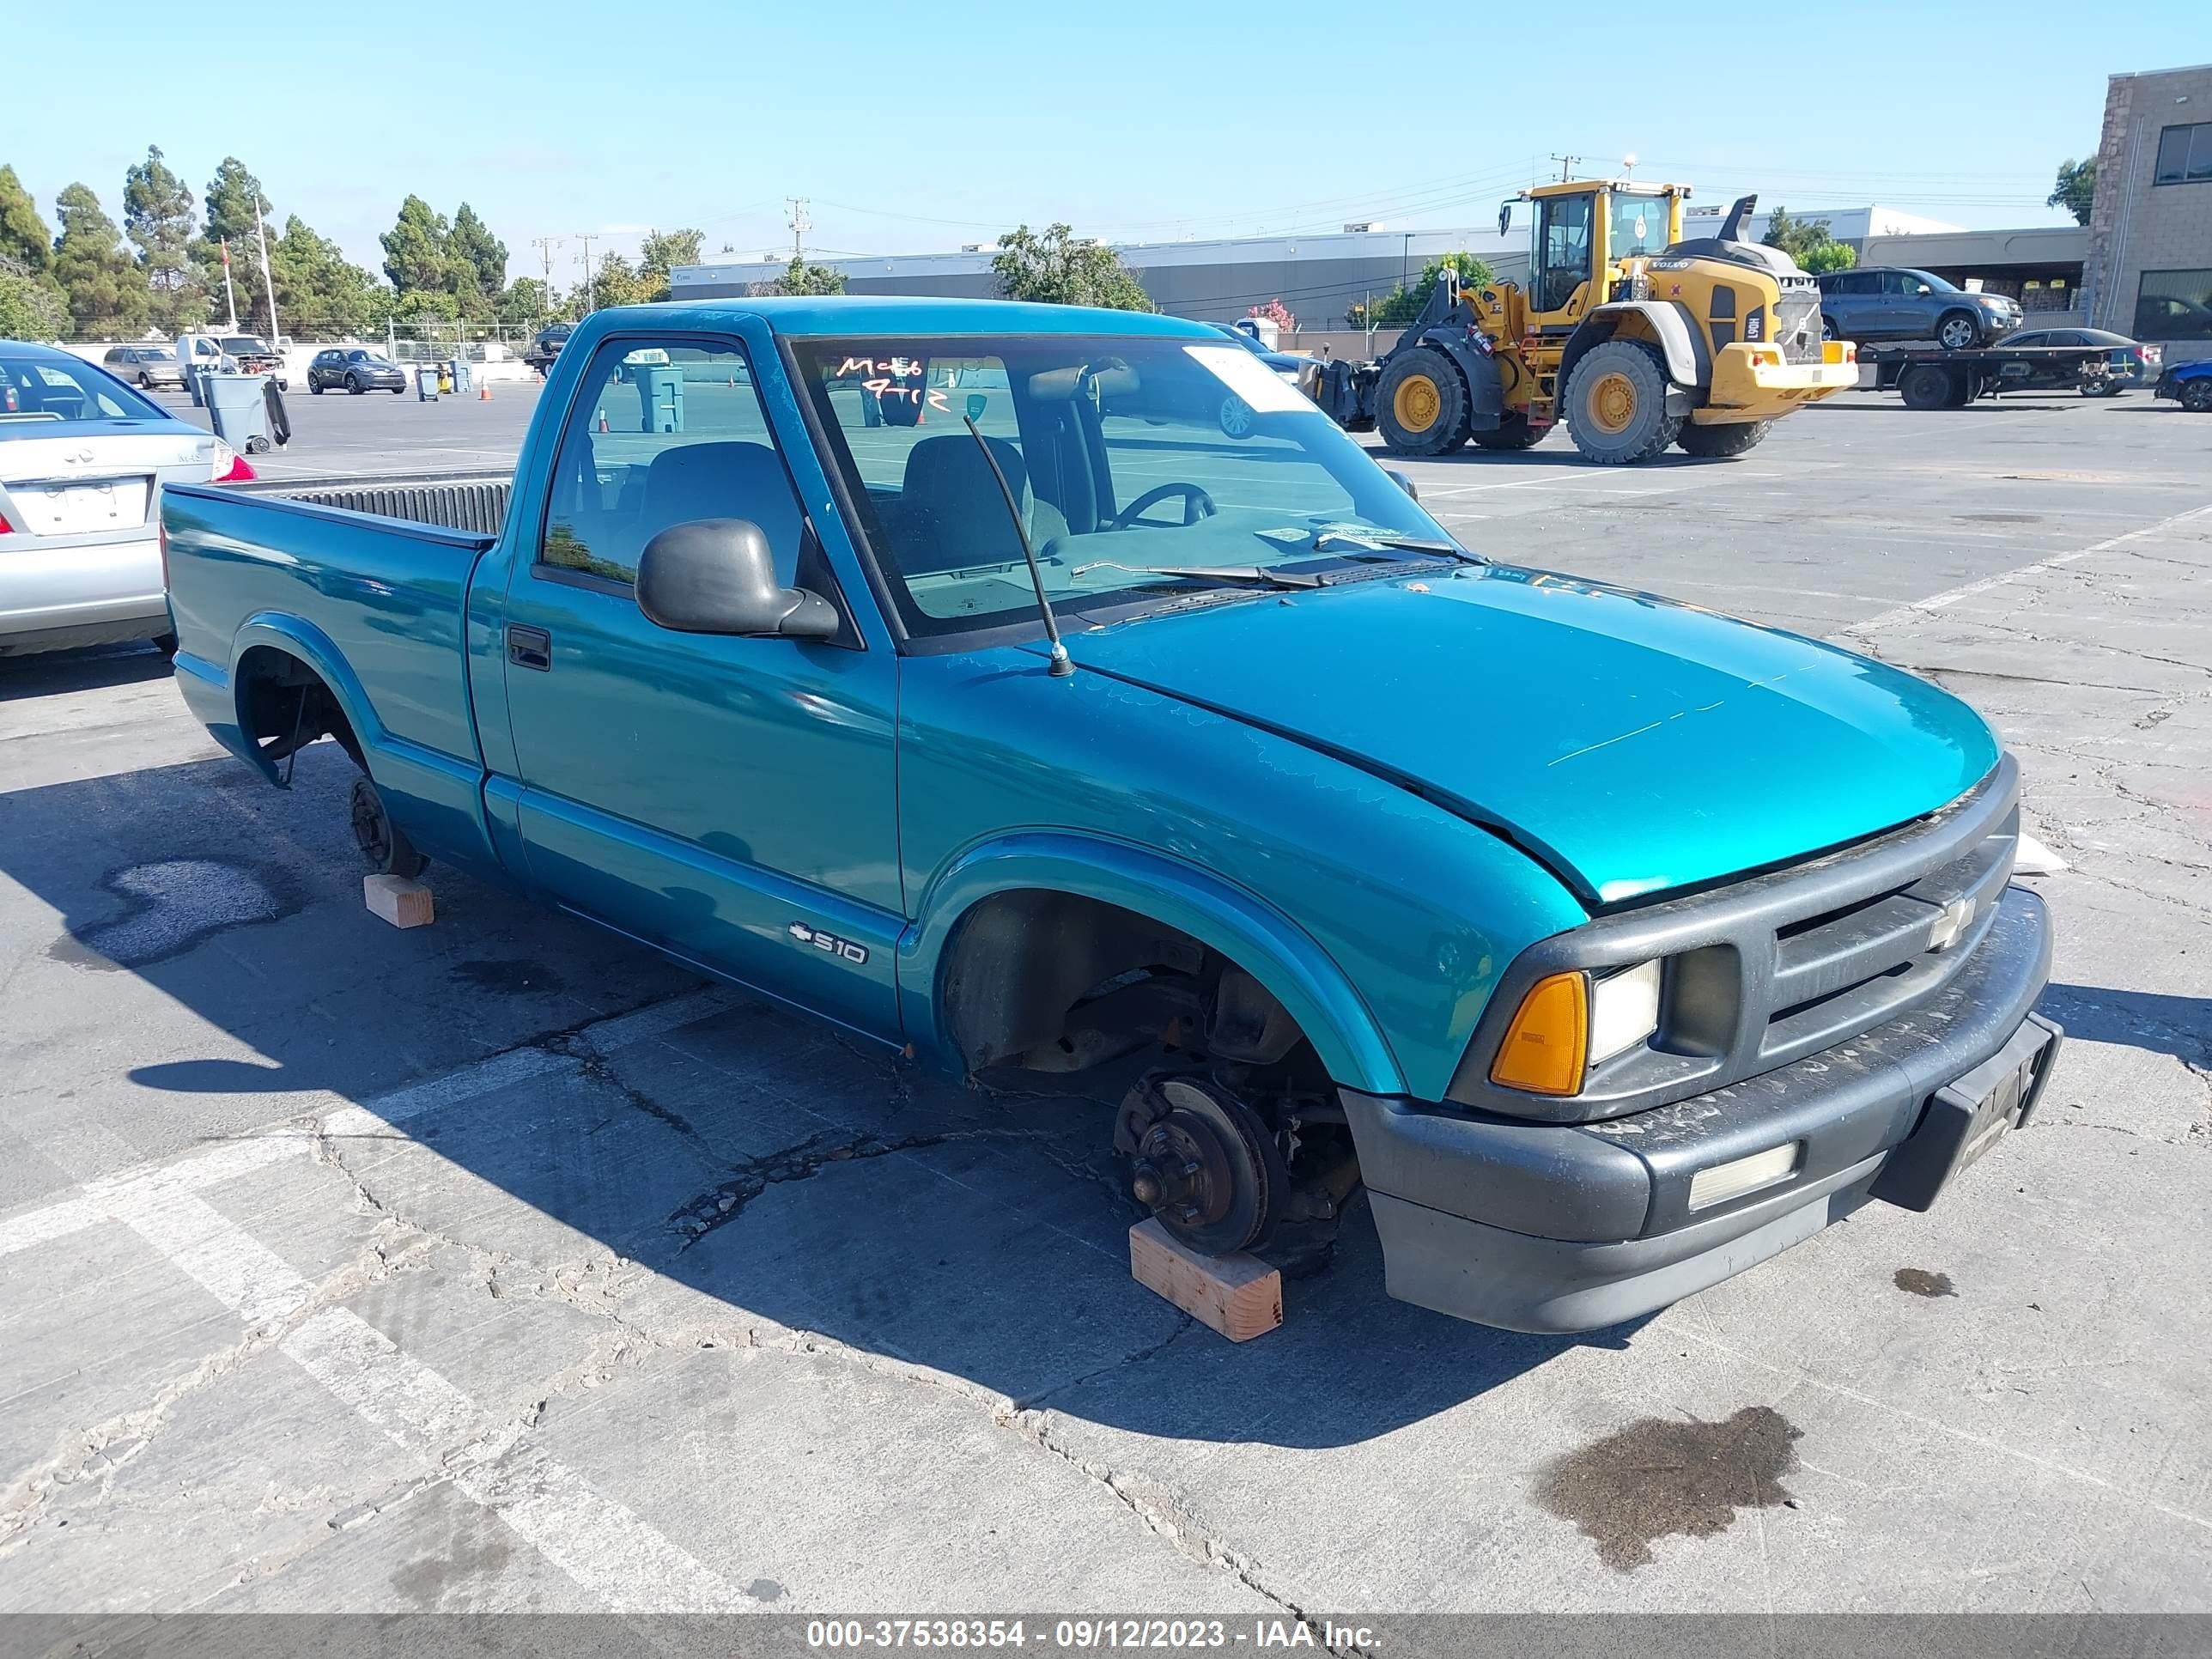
(1563,249)
(662,433)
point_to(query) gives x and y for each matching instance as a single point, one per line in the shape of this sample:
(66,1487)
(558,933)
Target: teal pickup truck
(948,671)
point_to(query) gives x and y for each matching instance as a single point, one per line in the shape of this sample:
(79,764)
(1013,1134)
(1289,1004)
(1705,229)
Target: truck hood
(1636,745)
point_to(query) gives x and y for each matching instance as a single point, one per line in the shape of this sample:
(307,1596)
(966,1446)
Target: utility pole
(800,224)
(545,247)
(591,280)
(1567,166)
(267,277)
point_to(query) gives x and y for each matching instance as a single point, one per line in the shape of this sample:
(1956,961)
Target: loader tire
(1713,443)
(1514,432)
(1420,403)
(1616,404)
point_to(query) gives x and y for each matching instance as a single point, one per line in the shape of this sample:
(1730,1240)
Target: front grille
(1797,322)
(1764,972)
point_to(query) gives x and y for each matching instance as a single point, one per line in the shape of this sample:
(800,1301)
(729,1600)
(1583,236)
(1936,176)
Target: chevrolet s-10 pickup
(1035,689)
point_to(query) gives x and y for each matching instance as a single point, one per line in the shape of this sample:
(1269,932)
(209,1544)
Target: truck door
(1560,261)
(729,799)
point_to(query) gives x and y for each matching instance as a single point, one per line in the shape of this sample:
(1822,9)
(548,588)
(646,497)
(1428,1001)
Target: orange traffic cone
(483,392)
(602,420)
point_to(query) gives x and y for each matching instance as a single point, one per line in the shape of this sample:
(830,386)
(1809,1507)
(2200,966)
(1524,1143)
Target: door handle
(529,647)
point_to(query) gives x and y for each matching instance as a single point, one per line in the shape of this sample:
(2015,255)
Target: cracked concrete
(866,1336)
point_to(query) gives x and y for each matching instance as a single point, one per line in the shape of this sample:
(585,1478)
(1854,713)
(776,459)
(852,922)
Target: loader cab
(1581,230)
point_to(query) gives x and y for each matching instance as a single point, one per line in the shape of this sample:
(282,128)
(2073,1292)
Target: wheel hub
(1612,402)
(1417,404)
(1202,1161)
(372,832)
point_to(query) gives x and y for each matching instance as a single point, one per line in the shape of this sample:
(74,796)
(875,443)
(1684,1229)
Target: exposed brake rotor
(1203,1162)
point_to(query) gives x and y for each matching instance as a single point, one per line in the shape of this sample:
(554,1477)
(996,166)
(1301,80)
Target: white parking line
(599,1543)
(1935,602)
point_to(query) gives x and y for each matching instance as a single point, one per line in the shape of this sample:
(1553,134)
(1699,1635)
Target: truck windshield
(1137,463)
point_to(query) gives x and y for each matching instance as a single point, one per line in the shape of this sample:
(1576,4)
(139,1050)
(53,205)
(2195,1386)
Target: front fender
(1262,940)
(1670,324)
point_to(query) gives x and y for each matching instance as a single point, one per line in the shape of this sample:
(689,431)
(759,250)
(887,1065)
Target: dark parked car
(541,351)
(355,369)
(1889,302)
(2126,363)
(145,366)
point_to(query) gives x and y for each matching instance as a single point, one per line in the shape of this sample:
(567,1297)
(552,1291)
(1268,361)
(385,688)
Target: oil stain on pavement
(1920,1282)
(174,906)
(1659,1475)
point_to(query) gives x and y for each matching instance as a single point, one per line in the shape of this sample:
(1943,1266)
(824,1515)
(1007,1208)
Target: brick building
(2148,271)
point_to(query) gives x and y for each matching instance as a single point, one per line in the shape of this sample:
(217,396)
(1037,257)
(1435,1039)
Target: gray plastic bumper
(1557,1227)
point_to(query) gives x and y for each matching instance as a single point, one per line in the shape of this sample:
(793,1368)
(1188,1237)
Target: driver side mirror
(718,576)
(1402,480)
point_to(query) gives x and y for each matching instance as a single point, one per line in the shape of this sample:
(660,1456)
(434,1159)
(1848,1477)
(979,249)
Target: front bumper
(1752,382)
(1563,1227)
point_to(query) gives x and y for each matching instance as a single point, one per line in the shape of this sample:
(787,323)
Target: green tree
(2077,189)
(617,282)
(526,301)
(1058,267)
(1808,242)
(417,260)
(157,217)
(477,256)
(25,241)
(228,210)
(801,277)
(31,308)
(662,252)
(1401,306)
(106,290)
(320,292)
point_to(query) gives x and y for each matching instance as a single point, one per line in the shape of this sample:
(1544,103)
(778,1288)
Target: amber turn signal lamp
(1548,1041)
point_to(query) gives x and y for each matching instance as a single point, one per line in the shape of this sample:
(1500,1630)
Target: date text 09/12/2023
(1084,1633)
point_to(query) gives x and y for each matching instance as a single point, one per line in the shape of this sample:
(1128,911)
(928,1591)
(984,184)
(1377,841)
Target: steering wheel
(1196,505)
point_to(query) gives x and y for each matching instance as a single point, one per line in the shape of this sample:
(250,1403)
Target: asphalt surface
(499,1266)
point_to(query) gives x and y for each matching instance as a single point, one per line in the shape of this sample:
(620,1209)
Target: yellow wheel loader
(1634,337)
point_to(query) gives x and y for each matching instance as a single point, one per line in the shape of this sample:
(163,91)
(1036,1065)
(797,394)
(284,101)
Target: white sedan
(83,461)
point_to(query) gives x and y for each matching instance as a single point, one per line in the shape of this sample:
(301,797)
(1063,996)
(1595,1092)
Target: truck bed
(365,581)
(475,502)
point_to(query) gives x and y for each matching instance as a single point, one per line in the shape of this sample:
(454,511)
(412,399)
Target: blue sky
(922,126)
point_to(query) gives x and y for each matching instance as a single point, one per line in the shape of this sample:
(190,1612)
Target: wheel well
(1054,982)
(284,704)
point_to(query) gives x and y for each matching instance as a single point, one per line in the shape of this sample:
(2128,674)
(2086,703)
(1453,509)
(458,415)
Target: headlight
(1570,1022)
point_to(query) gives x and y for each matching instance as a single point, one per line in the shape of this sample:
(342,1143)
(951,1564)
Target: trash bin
(659,395)
(237,408)
(196,383)
(426,383)
(462,377)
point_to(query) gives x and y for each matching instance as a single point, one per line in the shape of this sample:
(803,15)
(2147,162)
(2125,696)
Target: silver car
(145,366)
(83,461)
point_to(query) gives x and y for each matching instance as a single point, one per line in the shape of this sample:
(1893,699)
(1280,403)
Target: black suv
(1890,302)
(356,370)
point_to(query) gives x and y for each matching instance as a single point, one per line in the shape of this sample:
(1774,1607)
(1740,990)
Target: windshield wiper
(1328,539)
(1240,575)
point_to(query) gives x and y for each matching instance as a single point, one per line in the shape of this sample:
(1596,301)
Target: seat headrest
(954,512)
(728,480)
